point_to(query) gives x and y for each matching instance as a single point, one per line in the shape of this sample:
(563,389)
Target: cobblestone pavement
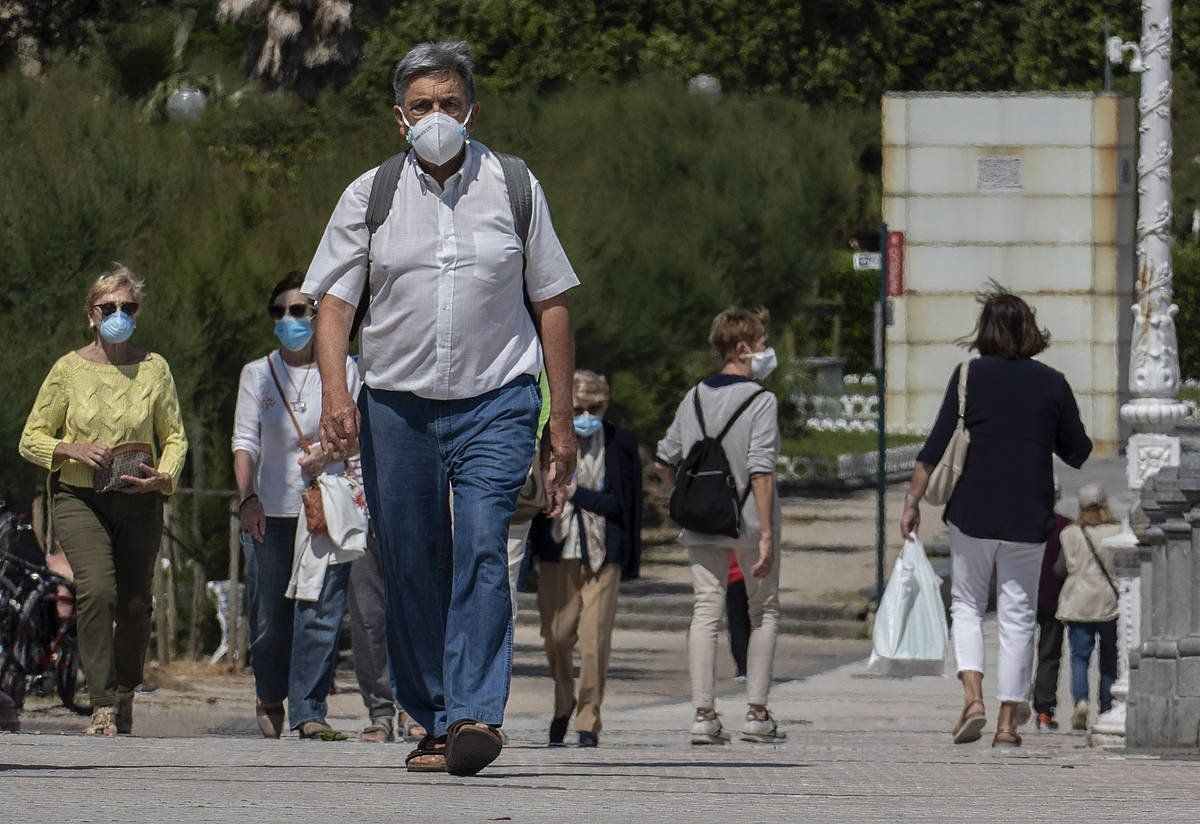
(859,749)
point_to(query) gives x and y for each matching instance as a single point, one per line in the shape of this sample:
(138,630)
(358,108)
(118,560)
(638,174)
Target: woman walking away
(1088,603)
(731,409)
(107,423)
(1019,413)
(276,452)
(585,552)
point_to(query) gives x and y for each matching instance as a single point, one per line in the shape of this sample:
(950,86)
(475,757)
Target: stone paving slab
(859,749)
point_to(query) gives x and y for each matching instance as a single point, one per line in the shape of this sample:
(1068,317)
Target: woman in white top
(293,645)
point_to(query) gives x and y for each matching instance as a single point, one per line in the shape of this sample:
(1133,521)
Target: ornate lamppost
(1154,377)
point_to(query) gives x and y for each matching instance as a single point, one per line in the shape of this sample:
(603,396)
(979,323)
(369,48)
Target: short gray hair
(434,60)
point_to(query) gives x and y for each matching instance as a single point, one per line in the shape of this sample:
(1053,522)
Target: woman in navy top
(1019,413)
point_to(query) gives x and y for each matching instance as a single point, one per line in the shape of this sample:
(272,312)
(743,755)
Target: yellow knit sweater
(85,402)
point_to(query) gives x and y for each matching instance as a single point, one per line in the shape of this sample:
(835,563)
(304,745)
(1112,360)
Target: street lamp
(186,104)
(1154,376)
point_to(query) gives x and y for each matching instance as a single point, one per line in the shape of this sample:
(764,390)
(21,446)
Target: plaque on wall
(998,173)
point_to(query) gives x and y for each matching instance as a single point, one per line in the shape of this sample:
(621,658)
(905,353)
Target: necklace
(297,405)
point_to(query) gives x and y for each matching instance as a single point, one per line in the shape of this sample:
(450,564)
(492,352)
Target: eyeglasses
(296,310)
(107,308)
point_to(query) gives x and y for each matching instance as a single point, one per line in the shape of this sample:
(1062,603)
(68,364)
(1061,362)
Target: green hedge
(667,213)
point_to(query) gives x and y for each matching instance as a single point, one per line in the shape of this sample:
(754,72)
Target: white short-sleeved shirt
(448,319)
(263,429)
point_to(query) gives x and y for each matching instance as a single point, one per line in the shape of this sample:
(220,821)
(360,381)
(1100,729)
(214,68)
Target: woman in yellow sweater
(99,409)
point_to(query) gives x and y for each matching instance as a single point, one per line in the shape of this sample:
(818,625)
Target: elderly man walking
(449,255)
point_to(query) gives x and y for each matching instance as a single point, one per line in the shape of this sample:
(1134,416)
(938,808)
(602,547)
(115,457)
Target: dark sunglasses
(296,310)
(129,307)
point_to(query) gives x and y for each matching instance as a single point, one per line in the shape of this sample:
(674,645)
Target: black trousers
(737,613)
(1049,658)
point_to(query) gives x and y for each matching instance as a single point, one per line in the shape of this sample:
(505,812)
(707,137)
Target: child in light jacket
(1088,603)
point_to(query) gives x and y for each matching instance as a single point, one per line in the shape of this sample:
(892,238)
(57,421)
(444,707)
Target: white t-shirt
(263,429)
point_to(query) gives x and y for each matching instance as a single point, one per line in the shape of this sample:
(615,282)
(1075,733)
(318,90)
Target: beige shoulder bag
(949,469)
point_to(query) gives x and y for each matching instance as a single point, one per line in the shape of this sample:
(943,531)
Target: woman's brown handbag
(310,499)
(950,468)
(127,459)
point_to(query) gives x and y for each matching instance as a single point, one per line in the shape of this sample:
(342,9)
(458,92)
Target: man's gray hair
(434,60)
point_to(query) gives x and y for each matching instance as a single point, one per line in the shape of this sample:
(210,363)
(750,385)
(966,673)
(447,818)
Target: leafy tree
(301,45)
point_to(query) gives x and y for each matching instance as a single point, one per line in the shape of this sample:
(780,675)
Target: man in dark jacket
(1050,629)
(584,553)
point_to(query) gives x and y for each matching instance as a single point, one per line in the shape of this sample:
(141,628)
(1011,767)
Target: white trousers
(1018,568)
(710,572)
(517,533)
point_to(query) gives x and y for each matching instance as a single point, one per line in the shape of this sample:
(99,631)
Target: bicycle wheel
(69,680)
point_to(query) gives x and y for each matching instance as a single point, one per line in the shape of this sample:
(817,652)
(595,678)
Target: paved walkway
(859,749)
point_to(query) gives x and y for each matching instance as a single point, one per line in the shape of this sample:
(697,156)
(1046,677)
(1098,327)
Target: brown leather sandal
(379,731)
(1006,737)
(270,719)
(471,746)
(970,724)
(429,756)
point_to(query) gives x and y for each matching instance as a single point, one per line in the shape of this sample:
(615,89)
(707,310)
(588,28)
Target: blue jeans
(1082,639)
(449,609)
(293,644)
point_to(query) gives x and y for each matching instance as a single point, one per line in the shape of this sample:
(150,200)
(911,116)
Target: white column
(1154,376)
(1154,358)
(1109,729)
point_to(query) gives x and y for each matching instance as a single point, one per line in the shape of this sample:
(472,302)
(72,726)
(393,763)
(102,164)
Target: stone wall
(1036,191)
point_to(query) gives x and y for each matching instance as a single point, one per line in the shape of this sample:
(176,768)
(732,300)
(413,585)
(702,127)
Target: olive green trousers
(111,540)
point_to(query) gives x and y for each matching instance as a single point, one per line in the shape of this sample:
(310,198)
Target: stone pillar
(1164,699)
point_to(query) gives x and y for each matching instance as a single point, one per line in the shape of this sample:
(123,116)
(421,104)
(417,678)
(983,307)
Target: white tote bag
(945,475)
(910,627)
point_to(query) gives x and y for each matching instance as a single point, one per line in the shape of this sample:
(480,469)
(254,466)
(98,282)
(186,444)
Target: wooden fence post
(171,565)
(235,600)
(197,563)
(162,632)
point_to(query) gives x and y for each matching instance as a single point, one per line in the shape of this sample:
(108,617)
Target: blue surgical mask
(587,425)
(117,327)
(294,333)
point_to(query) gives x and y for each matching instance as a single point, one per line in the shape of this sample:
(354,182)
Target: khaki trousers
(710,571)
(578,605)
(111,540)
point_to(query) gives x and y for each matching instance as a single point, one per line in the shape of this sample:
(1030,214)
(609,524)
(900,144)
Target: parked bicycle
(39,651)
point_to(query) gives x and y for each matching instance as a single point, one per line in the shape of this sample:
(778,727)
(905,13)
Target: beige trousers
(578,605)
(710,572)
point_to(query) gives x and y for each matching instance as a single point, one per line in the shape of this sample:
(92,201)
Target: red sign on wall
(895,264)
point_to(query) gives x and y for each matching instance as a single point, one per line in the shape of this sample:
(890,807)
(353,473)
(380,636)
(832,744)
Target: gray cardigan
(752,445)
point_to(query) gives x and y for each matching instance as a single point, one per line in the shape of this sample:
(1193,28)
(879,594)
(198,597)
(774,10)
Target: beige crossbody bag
(949,469)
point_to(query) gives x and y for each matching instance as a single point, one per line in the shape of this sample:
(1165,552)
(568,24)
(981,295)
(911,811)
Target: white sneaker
(707,730)
(1079,718)
(761,731)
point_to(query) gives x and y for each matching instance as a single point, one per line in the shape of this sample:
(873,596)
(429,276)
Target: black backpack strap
(520,200)
(379,206)
(738,413)
(699,411)
(520,192)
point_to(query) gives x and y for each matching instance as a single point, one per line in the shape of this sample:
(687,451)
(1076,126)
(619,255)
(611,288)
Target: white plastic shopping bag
(910,627)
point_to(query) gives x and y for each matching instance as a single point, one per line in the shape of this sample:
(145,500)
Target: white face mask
(763,363)
(437,138)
